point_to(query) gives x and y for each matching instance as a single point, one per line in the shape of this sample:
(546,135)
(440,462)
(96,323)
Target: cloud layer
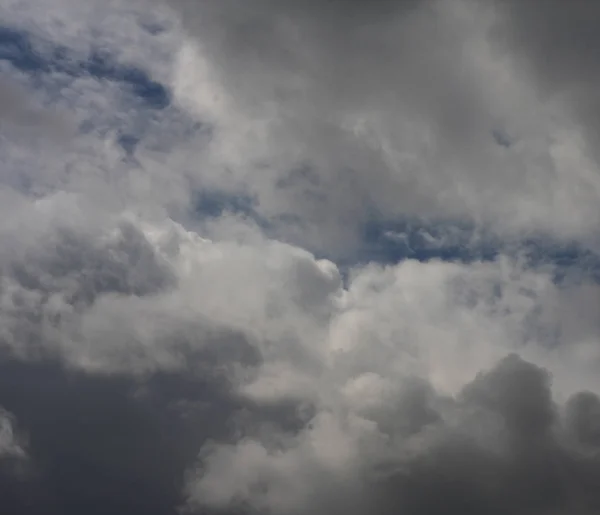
(295,257)
(344,111)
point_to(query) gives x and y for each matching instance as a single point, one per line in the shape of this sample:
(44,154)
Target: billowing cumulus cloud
(294,257)
(498,447)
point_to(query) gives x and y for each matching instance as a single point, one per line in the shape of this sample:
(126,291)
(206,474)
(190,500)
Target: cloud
(330,115)
(14,108)
(416,406)
(105,443)
(9,444)
(297,256)
(379,372)
(330,374)
(498,447)
(562,66)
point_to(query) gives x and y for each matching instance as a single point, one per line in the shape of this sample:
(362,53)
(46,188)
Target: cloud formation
(497,448)
(187,318)
(334,112)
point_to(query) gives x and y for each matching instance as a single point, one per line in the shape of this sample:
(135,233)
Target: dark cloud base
(541,462)
(514,450)
(103,445)
(113,445)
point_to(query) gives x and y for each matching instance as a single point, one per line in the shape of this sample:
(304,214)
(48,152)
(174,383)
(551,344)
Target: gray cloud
(21,116)
(85,266)
(325,395)
(152,359)
(321,76)
(47,282)
(500,447)
(9,440)
(392,107)
(557,47)
(106,444)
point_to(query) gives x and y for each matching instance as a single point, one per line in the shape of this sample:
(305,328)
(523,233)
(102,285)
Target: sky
(291,257)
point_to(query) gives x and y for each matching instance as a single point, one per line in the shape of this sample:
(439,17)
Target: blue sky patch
(213,203)
(20,49)
(391,242)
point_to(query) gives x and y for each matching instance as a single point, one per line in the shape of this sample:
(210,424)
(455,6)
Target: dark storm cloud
(558,41)
(557,44)
(102,445)
(113,444)
(502,446)
(583,419)
(106,443)
(527,466)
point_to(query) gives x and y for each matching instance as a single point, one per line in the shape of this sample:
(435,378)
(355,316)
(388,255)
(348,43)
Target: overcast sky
(293,257)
